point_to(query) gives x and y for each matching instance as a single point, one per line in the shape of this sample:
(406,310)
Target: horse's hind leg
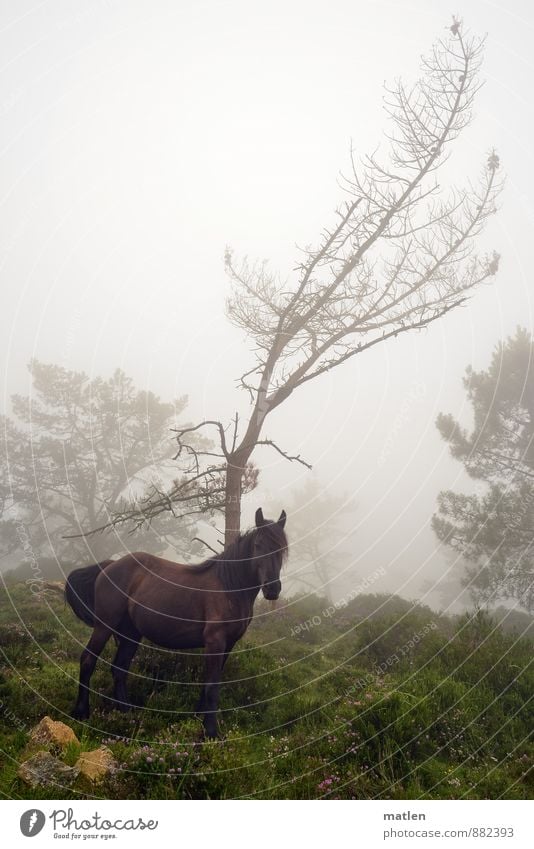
(90,655)
(128,638)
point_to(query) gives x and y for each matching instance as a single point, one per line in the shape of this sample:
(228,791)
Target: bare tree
(399,256)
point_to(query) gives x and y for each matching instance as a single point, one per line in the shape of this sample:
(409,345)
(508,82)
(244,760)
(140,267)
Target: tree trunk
(235,469)
(232,526)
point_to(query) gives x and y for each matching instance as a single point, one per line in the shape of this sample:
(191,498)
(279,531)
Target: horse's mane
(229,564)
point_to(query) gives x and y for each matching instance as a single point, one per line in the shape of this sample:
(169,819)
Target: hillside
(378,699)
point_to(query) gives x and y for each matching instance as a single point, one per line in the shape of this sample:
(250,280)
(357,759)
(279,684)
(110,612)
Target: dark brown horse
(177,606)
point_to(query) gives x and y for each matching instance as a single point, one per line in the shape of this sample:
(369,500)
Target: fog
(141,138)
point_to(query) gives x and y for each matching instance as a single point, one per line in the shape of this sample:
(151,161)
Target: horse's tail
(80,591)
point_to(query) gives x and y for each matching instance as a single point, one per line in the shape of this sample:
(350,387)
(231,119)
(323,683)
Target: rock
(97,764)
(54,587)
(44,768)
(49,732)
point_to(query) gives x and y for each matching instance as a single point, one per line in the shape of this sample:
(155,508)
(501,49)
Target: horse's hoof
(211,733)
(123,707)
(80,713)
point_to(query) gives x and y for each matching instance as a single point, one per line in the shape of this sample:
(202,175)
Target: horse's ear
(259,518)
(282,519)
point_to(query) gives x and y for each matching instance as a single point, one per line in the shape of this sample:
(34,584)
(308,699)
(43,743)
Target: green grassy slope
(379,699)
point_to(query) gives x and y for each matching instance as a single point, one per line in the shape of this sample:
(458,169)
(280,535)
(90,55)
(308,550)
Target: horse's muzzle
(272,590)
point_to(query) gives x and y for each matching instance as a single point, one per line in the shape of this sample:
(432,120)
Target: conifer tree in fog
(76,451)
(494,529)
(398,255)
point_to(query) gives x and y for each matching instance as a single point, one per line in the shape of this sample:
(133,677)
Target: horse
(177,606)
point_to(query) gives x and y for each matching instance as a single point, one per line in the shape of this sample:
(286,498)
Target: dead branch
(292,458)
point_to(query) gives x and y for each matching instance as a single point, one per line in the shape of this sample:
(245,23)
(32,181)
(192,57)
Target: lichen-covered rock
(49,732)
(96,765)
(43,768)
(54,587)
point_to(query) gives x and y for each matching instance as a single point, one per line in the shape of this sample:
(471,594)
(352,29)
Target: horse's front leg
(200,706)
(216,652)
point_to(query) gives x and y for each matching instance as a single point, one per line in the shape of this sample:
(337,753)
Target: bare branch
(203,541)
(296,458)
(182,431)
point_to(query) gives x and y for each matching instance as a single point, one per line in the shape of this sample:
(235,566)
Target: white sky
(138,139)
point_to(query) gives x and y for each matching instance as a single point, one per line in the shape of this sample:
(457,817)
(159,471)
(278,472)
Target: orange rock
(50,732)
(97,764)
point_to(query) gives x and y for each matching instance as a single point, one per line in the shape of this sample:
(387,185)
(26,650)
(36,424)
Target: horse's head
(269,548)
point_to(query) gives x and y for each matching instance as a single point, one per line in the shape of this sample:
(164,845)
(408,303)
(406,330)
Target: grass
(380,699)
